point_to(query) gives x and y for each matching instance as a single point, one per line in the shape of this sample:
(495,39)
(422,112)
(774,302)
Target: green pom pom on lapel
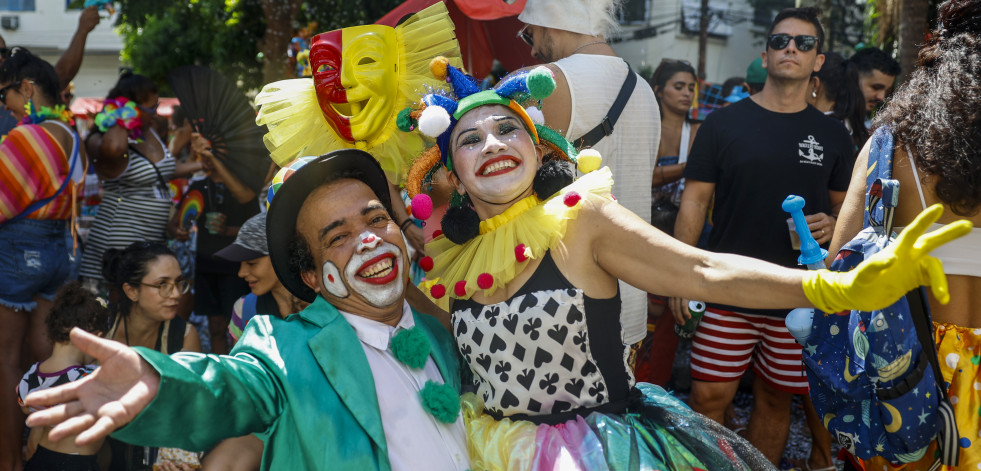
(411,347)
(440,400)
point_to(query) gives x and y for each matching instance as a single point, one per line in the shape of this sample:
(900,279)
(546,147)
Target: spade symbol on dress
(526,378)
(484,361)
(497,344)
(509,400)
(558,333)
(511,323)
(542,357)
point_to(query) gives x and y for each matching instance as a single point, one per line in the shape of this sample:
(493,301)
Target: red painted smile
(379,270)
(498,166)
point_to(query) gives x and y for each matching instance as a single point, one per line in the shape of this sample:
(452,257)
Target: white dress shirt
(416,440)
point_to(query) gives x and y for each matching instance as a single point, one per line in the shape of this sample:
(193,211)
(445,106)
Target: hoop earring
(457,199)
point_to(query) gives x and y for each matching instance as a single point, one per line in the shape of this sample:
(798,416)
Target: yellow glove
(888,275)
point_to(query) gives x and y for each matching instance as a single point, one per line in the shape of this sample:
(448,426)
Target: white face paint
(375,271)
(333,282)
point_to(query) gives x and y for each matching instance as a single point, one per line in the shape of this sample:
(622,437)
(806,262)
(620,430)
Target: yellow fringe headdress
(297,126)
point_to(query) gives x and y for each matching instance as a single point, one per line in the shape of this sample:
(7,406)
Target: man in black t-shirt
(750,156)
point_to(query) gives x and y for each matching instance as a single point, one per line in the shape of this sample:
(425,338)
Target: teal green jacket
(302,384)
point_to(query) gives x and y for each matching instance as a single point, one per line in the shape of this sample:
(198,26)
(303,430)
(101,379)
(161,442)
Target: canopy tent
(84,107)
(486,30)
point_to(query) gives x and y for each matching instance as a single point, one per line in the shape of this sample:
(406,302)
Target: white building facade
(46,28)
(668,29)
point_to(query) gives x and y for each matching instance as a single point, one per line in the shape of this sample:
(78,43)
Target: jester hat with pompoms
(436,114)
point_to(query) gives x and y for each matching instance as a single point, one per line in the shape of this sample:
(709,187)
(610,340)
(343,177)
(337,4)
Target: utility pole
(703,38)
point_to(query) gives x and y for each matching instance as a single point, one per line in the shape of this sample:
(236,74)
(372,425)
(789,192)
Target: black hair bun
(553,176)
(111,260)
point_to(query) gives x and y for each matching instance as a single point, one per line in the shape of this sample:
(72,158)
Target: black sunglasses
(3,92)
(803,42)
(526,36)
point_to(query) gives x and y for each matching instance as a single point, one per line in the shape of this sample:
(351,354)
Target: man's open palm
(101,402)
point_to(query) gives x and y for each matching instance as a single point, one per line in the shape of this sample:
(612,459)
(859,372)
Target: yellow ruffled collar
(507,241)
(509,214)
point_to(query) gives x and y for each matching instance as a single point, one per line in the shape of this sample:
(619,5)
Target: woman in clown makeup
(528,266)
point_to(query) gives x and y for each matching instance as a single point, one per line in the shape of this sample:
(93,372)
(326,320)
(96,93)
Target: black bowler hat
(297,186)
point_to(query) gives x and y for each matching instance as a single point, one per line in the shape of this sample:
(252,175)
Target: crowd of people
(455,276)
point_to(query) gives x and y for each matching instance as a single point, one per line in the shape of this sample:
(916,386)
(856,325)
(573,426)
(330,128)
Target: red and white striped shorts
(726,341)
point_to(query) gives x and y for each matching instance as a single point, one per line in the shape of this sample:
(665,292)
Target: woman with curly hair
(935,119)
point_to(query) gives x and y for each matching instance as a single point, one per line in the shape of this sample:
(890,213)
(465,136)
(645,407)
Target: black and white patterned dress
(549,350)
(553,390)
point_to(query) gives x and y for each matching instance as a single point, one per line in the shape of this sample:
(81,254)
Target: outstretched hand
(96,405)
(889,274)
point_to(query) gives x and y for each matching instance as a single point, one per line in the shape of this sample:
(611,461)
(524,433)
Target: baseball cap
(755,73)
(250,243)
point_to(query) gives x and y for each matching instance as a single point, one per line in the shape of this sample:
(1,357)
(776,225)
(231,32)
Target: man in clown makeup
(358,380)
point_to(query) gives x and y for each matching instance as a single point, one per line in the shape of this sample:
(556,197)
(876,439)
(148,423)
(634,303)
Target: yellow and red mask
(362,77)
(356,77)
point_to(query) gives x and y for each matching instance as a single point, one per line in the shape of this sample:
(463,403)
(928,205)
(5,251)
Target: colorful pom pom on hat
(436,114)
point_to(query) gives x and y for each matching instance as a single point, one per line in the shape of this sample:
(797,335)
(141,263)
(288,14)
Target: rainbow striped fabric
(34,167)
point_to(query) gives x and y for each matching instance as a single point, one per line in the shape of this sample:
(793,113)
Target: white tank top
(594,82)
(960,256)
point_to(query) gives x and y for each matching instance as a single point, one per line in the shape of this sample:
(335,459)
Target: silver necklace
(586,45)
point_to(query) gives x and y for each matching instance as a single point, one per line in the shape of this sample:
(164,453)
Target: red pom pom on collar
(460,288)
(485,281)
(437,291)
(571,199)
(520,253)
(426,263)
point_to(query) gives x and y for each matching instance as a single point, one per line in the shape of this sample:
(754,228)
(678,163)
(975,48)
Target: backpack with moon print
(873,375)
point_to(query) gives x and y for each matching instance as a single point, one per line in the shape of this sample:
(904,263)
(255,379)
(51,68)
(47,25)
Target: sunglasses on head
(803,42)
(526,36)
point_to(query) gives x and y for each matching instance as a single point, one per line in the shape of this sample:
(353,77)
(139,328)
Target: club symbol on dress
(549,382)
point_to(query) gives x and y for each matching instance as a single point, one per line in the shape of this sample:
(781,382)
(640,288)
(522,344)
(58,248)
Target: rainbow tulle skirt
(657,432)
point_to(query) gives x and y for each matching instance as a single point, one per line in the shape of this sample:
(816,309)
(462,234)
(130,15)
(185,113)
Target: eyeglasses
(4,90)
(166,288)
(803,42)
(526,36)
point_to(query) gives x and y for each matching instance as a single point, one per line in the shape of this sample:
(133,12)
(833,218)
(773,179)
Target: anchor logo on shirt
(811,145)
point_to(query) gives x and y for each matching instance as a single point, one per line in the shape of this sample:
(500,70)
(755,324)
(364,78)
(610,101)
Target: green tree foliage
(227,35)
(843,20)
